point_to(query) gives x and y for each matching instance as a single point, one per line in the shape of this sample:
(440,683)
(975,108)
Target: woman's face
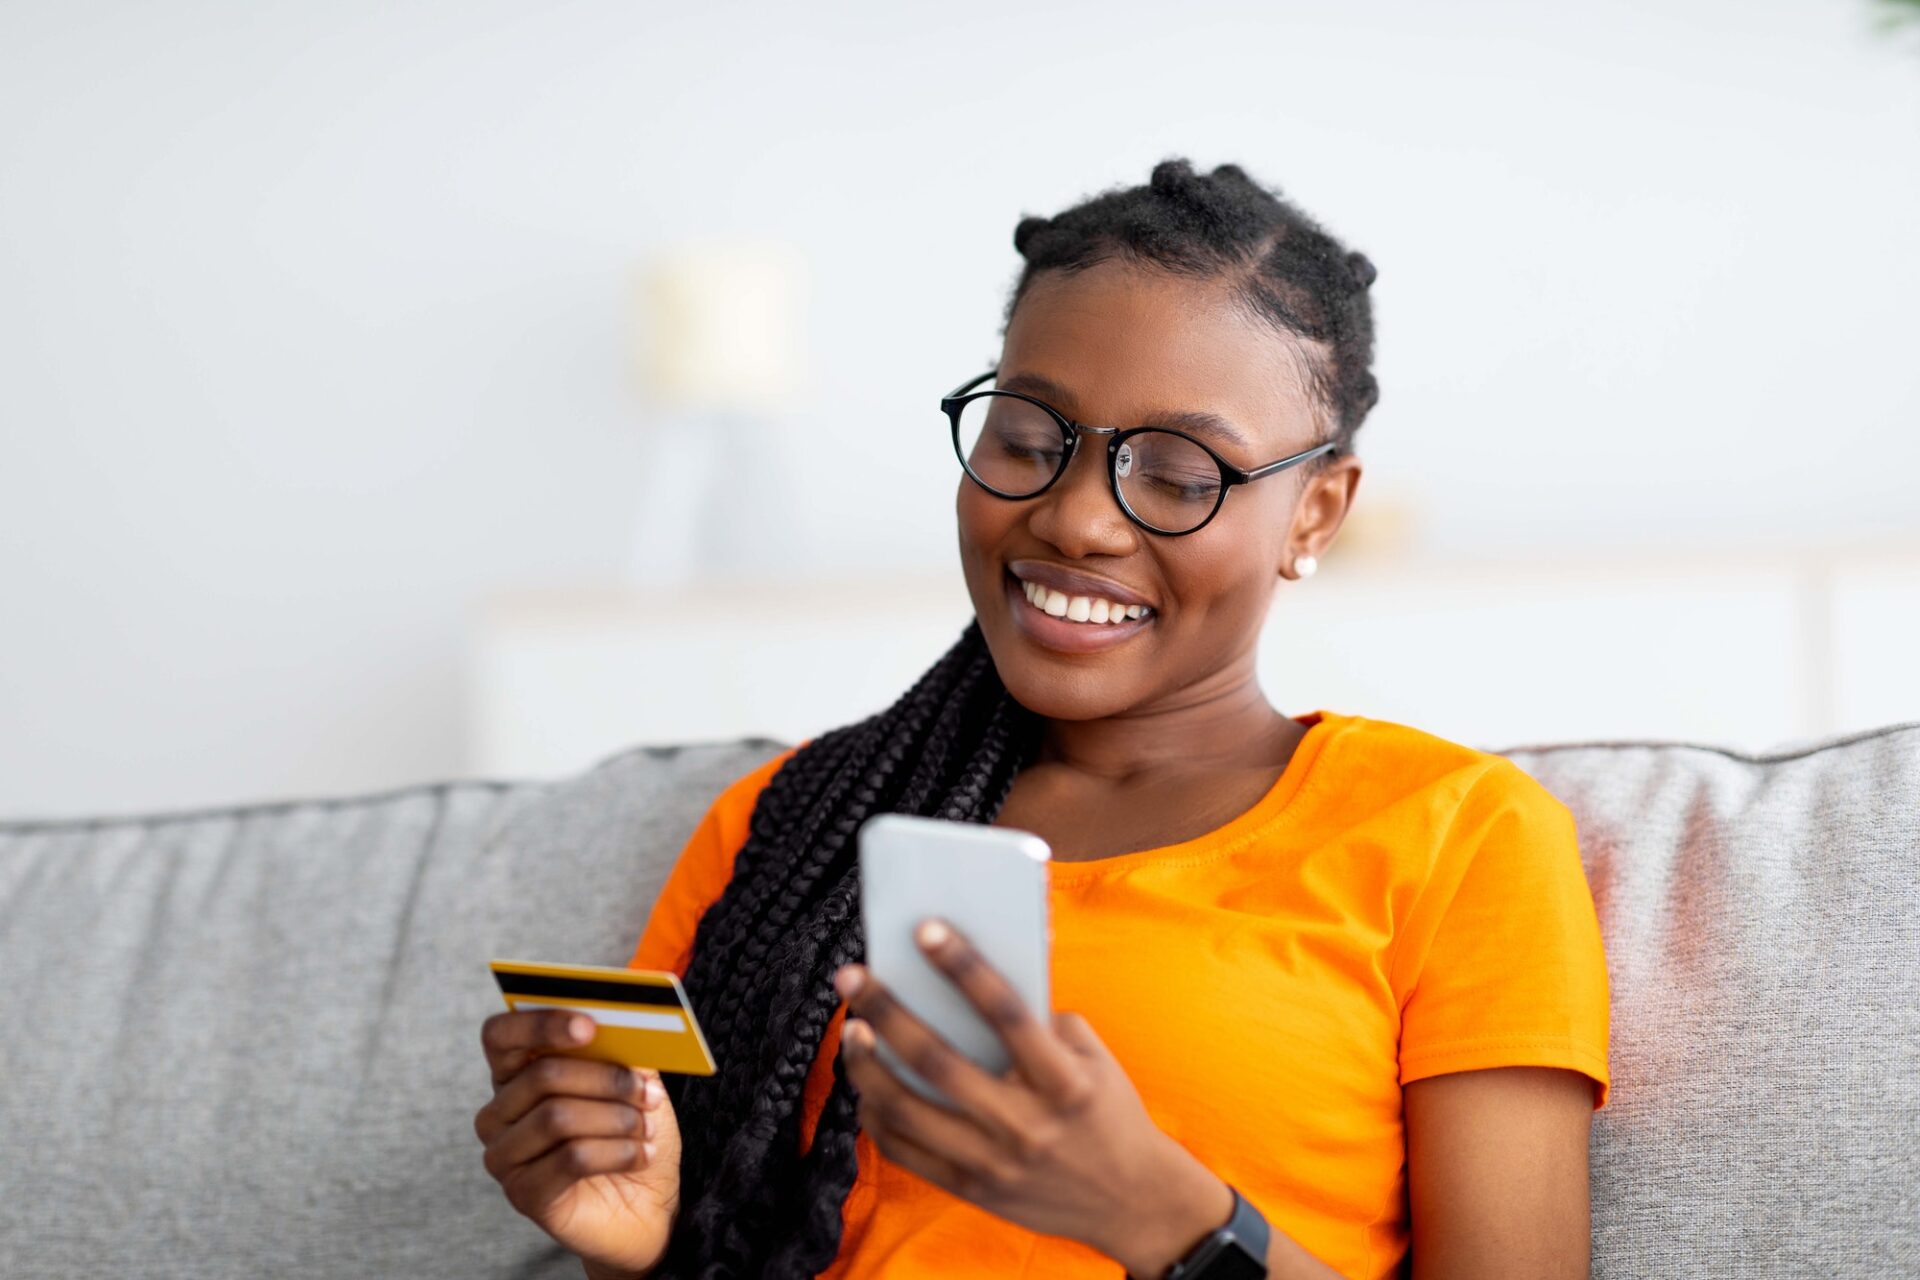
(1119,345)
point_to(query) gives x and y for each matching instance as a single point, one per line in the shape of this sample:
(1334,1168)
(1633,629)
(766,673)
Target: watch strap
(1236,1251)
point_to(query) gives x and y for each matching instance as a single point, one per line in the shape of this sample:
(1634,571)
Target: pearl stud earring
(1305,566)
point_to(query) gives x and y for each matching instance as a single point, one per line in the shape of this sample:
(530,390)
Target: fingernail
(653,1095)
(579,1030)
(847,982)
(646,1125)
(933,933)
(647,1148)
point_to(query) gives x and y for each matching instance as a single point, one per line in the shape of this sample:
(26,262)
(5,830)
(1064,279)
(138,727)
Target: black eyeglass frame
(1070,432)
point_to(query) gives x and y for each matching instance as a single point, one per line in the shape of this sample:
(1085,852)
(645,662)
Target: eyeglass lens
(1011,446)
(1014,448)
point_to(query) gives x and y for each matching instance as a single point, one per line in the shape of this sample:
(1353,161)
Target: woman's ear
(1318,515)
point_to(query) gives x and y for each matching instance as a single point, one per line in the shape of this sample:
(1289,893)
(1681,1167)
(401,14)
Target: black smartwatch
(1237,1251)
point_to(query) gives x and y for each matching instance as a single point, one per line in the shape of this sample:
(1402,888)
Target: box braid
(765,952)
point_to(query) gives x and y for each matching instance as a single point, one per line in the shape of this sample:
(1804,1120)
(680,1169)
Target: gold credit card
(642,1015)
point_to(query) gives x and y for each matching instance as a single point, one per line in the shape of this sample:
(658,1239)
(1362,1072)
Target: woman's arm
(1497,1173)
(1497,1184)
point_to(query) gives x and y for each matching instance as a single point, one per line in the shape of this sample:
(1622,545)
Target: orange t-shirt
(1397,906)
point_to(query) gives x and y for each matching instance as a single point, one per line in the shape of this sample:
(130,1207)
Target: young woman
(1336,997)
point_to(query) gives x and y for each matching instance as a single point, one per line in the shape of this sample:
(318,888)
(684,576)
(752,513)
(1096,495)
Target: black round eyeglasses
(1015,446)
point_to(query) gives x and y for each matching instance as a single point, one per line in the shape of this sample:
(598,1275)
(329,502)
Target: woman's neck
(1234,727)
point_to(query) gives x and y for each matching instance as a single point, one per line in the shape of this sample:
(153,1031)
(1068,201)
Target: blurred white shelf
(1748,651)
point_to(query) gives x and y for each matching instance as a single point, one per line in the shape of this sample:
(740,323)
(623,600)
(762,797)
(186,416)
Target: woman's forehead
(1118,343)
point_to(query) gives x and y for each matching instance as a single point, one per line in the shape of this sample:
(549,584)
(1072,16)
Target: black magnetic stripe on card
(551,985)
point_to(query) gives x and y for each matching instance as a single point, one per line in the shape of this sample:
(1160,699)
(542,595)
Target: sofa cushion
(1761,915)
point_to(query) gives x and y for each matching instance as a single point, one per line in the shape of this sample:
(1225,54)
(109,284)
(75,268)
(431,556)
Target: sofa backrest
(1761,915)
(245,1041)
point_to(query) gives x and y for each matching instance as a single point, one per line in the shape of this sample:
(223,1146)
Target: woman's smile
(1094,618)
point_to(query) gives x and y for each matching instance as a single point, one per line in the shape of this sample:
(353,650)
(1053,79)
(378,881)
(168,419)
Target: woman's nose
(1078,514)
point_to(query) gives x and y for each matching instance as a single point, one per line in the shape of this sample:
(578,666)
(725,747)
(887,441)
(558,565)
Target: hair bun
(1174,177)
(1362,269)
(1024,233)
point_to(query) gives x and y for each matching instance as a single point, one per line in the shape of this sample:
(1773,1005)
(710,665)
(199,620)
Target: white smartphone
(990,883)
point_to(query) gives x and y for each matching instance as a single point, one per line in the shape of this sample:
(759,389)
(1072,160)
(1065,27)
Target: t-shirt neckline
(1269,808)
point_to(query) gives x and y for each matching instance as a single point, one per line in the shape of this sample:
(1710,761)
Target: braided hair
(765,952)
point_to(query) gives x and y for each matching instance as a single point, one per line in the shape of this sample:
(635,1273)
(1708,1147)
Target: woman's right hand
(588,1150)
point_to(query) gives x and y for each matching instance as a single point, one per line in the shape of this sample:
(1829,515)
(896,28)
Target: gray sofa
(244,1042)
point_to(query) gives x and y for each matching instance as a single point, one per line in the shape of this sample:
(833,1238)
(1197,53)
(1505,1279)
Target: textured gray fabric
(1761,916)
(244,1042)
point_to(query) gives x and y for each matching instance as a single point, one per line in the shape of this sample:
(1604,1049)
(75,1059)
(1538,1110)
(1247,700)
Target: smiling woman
(1334,999)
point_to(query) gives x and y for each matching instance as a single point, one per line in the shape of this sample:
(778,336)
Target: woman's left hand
(1061,1143)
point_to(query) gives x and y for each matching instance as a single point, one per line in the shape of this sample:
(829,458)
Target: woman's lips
(1073,582)
(1063,635)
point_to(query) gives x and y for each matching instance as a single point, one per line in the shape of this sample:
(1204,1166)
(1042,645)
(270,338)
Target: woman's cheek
(980,545)
(1219,593)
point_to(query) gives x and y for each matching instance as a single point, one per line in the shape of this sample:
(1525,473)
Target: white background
(316,322)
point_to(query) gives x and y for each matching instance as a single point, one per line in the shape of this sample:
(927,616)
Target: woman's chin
(1050,704)
(1052,685)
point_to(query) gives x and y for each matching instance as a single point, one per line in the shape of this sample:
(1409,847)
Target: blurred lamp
(721,361)
(723,323)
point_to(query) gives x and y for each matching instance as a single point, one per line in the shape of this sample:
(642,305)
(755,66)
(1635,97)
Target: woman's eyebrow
(1197,421)
(1201,423)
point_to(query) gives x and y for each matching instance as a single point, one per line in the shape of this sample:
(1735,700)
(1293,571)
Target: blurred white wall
(315,321)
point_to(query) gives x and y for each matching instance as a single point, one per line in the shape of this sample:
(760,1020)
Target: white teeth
(1059,604)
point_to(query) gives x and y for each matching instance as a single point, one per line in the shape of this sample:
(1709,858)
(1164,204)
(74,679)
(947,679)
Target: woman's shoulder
(1389,760)
(701,871)
(731,812)
(1457,811)
(748,786)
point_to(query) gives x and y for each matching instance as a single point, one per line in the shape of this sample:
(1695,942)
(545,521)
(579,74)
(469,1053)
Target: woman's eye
(1033,451)
(1185,488)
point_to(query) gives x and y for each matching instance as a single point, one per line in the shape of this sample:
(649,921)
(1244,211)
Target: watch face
(1235,1263)
(1236,1251)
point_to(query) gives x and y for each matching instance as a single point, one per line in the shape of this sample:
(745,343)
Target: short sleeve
(701,872)
(1503,957)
